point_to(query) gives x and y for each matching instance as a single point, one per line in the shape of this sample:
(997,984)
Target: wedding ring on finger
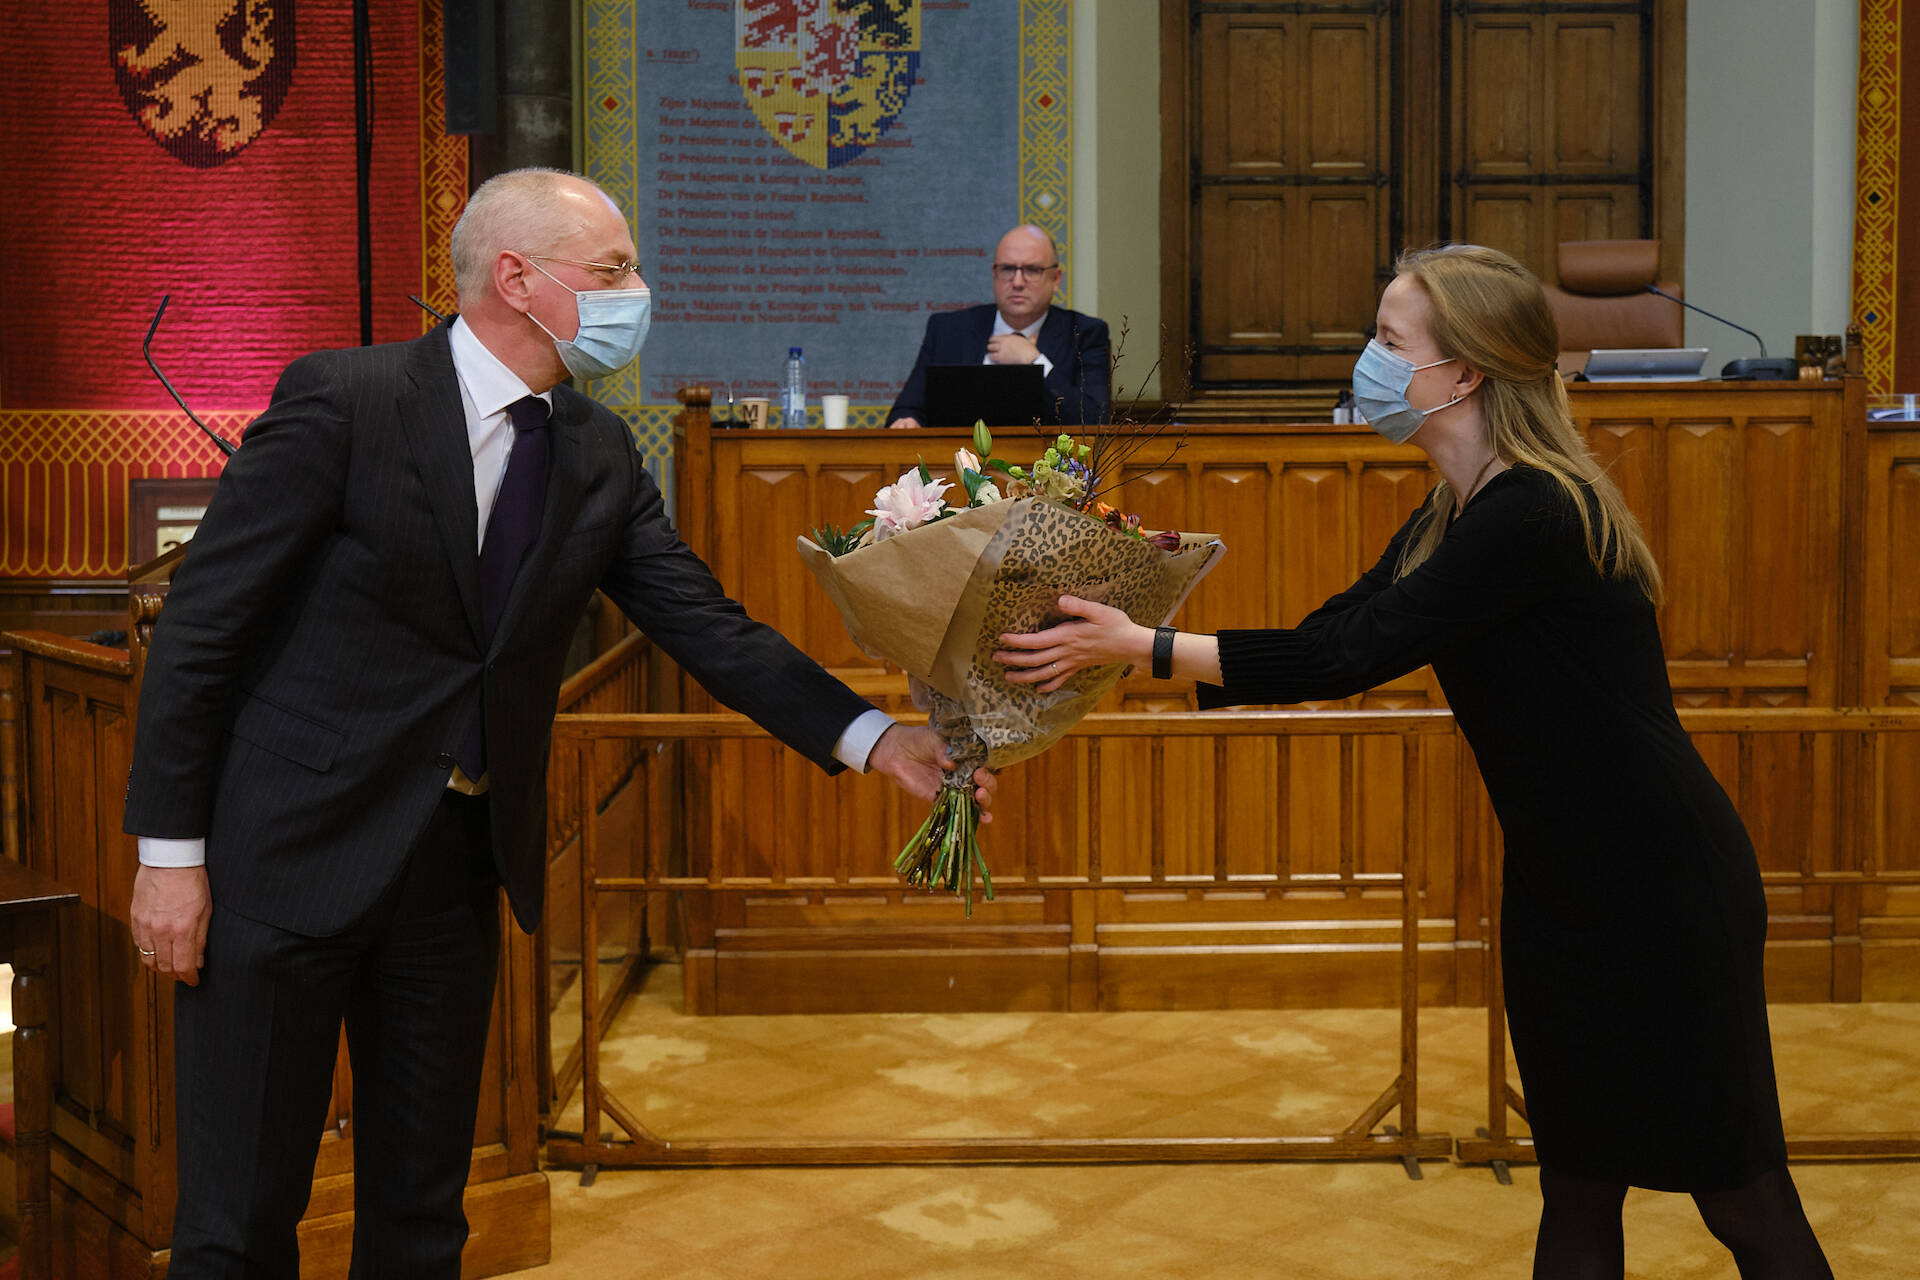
(144,953)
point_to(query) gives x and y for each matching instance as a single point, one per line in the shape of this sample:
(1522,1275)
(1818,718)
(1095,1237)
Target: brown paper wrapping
(934,601)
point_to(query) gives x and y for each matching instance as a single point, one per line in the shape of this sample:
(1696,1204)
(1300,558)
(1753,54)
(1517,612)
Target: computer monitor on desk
(1000,395)
(1645,364)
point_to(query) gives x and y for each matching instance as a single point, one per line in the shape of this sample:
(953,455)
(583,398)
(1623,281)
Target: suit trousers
(254,1051)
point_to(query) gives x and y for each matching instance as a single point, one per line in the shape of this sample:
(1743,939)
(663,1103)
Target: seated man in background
(1021,326)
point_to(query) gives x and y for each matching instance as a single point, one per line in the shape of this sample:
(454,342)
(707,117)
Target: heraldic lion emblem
(203,77)
(827,77)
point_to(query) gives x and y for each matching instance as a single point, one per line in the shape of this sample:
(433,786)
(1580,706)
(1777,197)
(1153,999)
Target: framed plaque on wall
(162,514)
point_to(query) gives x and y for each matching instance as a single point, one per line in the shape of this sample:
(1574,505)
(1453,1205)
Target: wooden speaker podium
(66,739)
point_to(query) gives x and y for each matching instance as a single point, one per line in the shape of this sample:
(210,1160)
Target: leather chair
(1602,300)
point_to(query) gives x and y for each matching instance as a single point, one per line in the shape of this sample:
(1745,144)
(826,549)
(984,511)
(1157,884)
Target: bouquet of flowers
(930,583)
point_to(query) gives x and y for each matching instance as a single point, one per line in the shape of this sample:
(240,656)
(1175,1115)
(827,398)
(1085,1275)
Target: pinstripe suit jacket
(321,644)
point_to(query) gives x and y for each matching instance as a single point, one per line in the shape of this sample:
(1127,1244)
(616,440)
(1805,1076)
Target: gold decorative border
(1046,119)
(443,169)
(1876,235)
(64,472)
(609,36)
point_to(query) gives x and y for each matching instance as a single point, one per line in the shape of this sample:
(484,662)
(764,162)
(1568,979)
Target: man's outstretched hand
(915,758)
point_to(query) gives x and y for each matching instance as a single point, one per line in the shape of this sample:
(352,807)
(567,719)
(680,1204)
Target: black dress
(1633,920)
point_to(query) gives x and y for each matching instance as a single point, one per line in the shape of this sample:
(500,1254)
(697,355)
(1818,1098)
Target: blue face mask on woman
(613,325)
(1380,382)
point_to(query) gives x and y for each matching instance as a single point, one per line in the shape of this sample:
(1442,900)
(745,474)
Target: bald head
(525,211)
(1026,271)
(1029,238)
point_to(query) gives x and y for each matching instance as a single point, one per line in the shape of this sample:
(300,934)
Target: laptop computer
(1645,364)
(1000,395)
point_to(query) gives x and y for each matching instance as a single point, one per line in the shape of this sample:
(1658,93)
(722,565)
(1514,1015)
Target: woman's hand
(1099,635)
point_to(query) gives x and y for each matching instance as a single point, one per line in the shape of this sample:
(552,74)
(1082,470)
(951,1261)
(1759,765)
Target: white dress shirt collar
(486,384)
(1032,331)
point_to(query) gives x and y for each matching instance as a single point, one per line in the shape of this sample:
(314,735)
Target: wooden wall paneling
(1179,139)
(1699,565)
(1594,98)
(1286,179)
(1889,644)
(1337,292)
(1341,125)
(1892,596)
(1781,625)
(1243,268)
(1500,77)
(1342,136)
(1508,218)
(1252,81)
(1667,100)
(1633,452)
(98,982)
(1421,41)
(1551,110)
(1242,505)
(840,497)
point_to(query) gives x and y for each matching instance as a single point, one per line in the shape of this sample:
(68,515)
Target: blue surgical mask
(1380,382)
(613,325)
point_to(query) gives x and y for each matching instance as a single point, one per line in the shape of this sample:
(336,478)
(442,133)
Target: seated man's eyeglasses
(612,272)
(1010,271)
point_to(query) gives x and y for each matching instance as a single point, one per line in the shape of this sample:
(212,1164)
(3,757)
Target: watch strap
(1163,652)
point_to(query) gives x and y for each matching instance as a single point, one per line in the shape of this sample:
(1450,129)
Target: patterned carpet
(1241,1073)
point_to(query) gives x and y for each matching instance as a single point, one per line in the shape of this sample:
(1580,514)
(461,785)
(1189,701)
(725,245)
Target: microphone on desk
(225,445)
(1765,369)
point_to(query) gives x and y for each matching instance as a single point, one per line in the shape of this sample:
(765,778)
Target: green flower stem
(945,852)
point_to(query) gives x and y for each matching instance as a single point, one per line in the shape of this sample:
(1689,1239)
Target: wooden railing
(614,681)
(579,783)
(651,871)
(1848,843)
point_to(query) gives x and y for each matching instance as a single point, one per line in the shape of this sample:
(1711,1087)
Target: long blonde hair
(1488,311)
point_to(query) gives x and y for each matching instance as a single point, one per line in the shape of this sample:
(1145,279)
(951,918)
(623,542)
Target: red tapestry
(205,151)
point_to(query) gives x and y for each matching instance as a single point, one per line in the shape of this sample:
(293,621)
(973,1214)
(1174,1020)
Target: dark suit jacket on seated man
(1020,326)
(342,742)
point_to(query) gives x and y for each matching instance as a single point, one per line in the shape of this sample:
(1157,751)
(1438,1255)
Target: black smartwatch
(1163,652)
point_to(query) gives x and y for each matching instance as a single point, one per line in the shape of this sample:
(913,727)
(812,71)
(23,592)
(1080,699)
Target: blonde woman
(1633,920)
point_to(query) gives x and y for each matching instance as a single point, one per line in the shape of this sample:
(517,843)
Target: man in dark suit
(1020,326)
(345,717)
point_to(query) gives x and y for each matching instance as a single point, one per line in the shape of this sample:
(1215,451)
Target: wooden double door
(1306,144)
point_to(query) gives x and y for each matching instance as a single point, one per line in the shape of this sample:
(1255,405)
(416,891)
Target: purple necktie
(511,530)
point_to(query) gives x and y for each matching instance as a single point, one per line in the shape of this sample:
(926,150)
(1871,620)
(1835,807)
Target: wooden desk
(1782,524)
(28,901)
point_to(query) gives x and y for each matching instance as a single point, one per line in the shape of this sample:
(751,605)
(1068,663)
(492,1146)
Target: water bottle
(793,390)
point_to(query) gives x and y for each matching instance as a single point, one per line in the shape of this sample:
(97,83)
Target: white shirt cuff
(156,852)
(1046,365)
(857,739)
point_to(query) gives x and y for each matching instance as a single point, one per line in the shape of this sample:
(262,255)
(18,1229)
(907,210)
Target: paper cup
(833,409)
(754,408)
